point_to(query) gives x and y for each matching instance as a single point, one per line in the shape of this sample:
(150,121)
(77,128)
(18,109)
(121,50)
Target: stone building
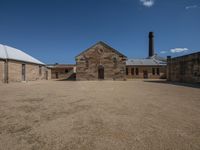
(16,66)
(101,62)
(152,67)
(63,71)
(184,68)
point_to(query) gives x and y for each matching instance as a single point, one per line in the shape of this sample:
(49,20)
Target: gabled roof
(105,45)
(7,52)
(145,62)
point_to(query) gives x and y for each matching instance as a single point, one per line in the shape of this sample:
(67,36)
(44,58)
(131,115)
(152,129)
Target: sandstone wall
(100,55)
(61,72)
(162,70)
(32,71)
(184,69)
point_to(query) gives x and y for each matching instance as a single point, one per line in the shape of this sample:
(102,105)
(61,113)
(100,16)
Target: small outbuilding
(17,66)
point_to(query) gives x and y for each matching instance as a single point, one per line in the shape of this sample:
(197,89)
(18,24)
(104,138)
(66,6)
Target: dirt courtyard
(99,115)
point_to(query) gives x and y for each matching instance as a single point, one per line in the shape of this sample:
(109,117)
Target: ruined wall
(99,55)
(32,71)
(184,69)
(133,75)
(1,71)
(60,72)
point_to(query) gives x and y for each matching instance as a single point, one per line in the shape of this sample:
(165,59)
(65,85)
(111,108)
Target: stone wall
(88,64)
(184,69)
(60,73)
(1,71)
(32,71)
(133,75)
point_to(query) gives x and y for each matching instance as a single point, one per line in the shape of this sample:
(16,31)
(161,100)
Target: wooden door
(101,72)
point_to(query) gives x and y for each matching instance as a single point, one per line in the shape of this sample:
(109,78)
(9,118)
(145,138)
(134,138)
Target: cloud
(192,7)
(174,50)
(163,52)
(147,3)
(178,50)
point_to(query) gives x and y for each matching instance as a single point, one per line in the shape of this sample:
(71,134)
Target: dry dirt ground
(107,115)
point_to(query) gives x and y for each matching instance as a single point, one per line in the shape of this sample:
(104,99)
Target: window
(126,71)
(137,71)
(87,64)
(66,70)
(23,72)
(115,62)
(153,71)
(132,71)
(40,70)
(158,71)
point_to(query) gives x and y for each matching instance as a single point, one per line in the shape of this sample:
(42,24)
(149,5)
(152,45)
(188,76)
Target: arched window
(87,64)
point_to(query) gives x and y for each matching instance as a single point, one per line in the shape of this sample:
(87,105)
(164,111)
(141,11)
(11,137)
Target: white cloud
(147,3)
(191,7)
(163,52)
(178,50)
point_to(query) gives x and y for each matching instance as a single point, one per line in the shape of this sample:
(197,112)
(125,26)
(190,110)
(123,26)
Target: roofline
(106,45)
(24,61)
(148,65)
(185,55)
(7,58)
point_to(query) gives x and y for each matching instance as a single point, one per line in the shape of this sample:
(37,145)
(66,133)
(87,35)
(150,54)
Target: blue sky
(57,30)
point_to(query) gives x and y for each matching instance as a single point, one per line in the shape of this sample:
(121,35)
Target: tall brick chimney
(151,44)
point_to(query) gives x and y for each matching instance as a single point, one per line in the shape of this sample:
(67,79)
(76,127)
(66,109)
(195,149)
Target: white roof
(145,62)
(7,52)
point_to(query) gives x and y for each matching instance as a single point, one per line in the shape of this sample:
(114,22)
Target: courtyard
(99,115)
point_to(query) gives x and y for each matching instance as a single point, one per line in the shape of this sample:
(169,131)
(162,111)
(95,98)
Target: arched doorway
(101,72)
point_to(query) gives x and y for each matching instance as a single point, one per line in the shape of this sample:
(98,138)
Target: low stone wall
(184,69)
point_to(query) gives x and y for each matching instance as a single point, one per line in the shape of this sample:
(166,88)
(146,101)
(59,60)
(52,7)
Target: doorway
(145,74)
(101,72)
(46,75)
(56,75)
(23,72)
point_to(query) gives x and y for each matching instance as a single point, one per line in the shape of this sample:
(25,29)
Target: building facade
(63,71)
(145,68)
(101,62)
(152,67)
(17,66)
(184,68)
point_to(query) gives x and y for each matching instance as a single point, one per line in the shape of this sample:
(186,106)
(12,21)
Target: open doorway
(101,72)
(145,74)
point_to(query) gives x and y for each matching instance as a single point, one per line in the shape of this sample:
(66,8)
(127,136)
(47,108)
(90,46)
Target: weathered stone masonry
(184,69)
(101,61)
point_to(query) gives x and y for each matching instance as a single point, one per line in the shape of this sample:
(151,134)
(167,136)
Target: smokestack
(151,44)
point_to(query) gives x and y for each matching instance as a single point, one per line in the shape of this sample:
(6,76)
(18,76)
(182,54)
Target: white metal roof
(145,62)
(7,52)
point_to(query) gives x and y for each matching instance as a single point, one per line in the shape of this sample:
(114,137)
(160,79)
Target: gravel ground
(104,115)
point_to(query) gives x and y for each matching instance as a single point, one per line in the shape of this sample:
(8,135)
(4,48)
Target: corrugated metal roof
(145,62)
(7,52)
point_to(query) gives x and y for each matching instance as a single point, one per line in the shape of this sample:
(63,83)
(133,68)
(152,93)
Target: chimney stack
(151,44)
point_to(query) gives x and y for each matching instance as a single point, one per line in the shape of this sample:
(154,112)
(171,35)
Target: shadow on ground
(193,85)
